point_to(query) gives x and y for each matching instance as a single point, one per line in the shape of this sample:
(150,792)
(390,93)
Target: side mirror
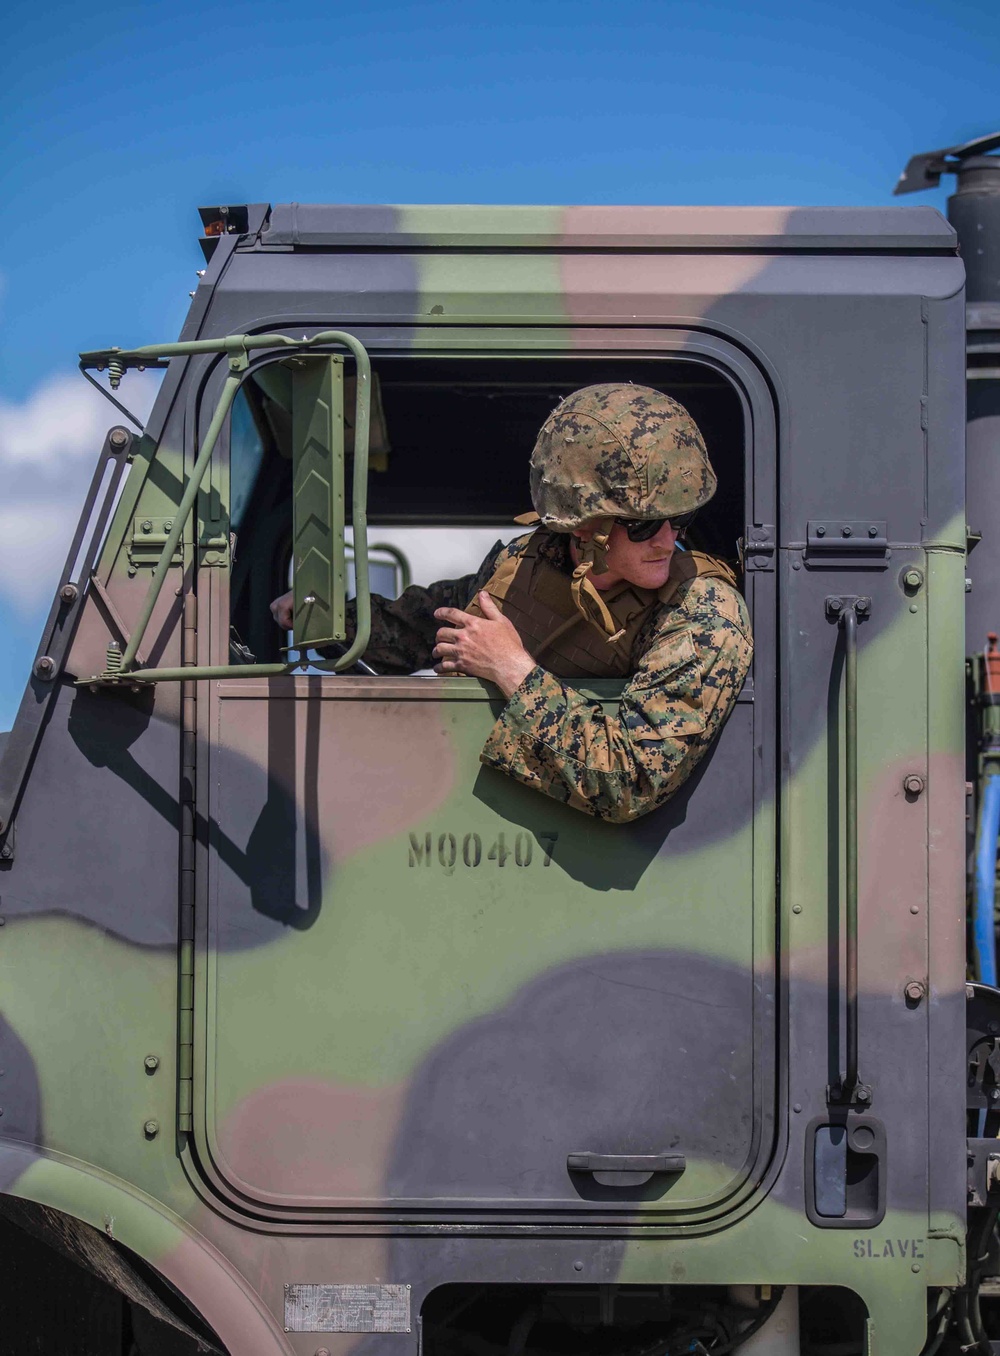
(319,558)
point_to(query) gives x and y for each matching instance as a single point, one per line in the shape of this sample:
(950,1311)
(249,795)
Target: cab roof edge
(869,229)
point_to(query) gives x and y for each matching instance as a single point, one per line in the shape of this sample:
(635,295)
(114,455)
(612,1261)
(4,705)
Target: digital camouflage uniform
(606,451)
(689,662)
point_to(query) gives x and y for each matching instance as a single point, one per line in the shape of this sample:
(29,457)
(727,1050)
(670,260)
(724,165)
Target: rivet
(577,1266)
(3,922)
(913,607)
(914,908)
(915,1267)
(796,908)
(796,565)
(322,1351)
(797,1106)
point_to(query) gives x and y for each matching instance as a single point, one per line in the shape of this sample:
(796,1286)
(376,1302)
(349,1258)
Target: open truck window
(450,444)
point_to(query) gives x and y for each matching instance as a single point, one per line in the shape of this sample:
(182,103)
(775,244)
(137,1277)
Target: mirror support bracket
(238,347)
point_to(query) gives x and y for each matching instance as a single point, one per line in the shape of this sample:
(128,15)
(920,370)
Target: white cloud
(49,447)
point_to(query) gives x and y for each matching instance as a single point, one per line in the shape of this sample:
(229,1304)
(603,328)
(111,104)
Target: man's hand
(282,608)
(485,647)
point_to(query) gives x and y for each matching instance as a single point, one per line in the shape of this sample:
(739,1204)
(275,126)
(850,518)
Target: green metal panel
(440,937)
(318,504)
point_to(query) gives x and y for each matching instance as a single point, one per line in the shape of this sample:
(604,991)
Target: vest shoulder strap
(689,565)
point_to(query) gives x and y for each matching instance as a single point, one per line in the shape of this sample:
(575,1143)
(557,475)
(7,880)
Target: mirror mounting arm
(238,347)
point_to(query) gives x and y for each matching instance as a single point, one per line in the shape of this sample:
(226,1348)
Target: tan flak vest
(536,596)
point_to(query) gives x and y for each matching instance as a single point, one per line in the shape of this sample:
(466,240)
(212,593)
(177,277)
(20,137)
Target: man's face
(643,563)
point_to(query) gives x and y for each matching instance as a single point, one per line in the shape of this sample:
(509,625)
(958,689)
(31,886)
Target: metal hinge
(848,543)
(757,547)
(149,536)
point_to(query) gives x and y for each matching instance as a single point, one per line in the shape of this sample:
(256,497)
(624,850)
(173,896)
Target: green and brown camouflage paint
(377,1041)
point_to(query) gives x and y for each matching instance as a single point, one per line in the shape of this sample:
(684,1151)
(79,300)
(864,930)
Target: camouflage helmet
(618,451)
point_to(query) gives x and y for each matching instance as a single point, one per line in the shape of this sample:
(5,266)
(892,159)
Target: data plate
(347,1308)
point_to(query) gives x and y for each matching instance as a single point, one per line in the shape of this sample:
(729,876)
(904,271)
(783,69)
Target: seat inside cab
(450,444)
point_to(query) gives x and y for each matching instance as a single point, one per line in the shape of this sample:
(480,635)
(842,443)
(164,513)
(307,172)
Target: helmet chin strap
(593,560)
(586,598)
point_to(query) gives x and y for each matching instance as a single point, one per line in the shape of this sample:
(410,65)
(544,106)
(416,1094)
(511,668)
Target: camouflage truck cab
(359,1045)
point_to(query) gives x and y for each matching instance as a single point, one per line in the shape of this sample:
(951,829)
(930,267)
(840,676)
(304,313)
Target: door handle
(586,1162)
(848,611)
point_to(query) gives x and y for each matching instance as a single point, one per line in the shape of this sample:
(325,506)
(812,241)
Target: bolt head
(821,531)
(913,579)
(863,1094)
(151,1129)
(69,593)
(44,667)
(835,604)
(151,1063)
(146,525)
(118,437)
(914,991)
(913,784)
(873,532)
(846,531)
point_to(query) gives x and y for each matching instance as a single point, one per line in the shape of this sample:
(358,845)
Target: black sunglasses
(644,529)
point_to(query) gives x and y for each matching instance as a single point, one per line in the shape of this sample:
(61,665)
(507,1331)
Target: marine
(603,586)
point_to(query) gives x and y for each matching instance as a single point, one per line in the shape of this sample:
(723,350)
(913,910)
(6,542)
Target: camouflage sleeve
(620,766)
(403,628)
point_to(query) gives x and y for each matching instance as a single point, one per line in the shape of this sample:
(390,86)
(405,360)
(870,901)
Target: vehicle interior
(449,449)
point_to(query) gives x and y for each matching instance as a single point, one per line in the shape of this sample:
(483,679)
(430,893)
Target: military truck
(319,1037)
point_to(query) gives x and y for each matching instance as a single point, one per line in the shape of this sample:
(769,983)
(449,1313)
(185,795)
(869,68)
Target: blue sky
(118,120)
